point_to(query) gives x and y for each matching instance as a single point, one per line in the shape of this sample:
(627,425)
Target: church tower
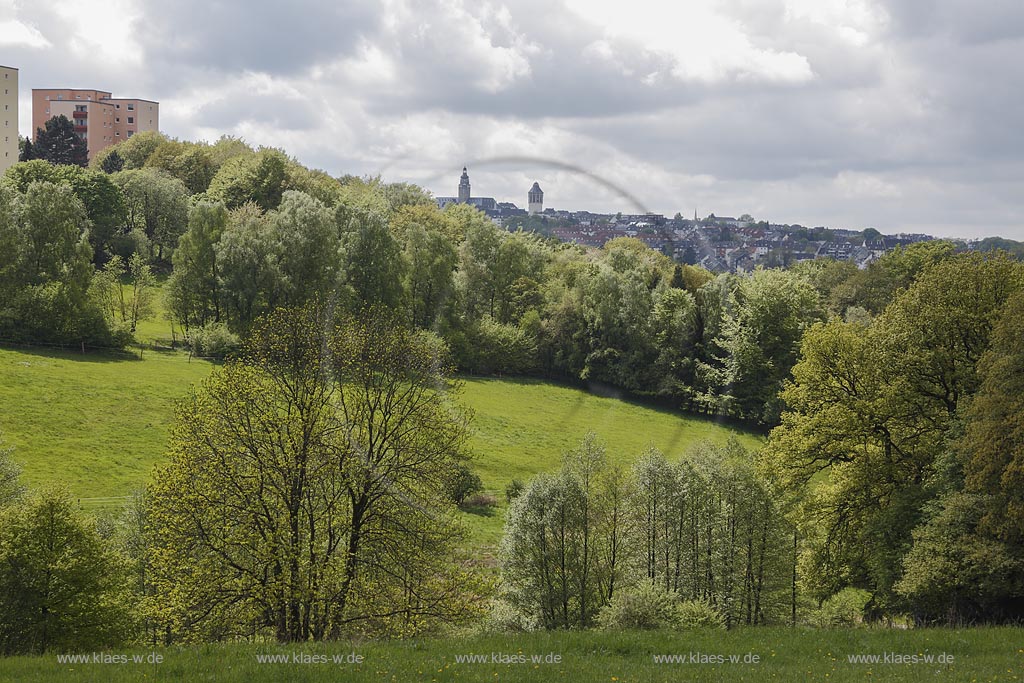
(464,187)
(536,198)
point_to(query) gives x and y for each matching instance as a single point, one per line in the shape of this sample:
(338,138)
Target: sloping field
(98,423)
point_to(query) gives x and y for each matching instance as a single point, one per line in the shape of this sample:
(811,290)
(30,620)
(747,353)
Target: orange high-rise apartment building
(100,119)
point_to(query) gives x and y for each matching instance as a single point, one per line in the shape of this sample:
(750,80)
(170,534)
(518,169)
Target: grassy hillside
(980,654)
(98,423)
(521,428)
(95,422)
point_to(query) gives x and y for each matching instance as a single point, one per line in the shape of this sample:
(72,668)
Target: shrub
(464,484)
(845,608)
(493,348)
(481,500)
(513,490)
(698,614)
(213,340)
(651,606)
(504,618)
(646,606)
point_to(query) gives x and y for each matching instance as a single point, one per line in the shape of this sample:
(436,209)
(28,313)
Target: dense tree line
(242,231)
(704,529)
(897,445)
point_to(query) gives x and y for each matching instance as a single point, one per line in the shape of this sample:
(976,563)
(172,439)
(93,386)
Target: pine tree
(26,151)
(59,144)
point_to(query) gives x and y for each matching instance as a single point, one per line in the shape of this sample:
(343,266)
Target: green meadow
(978,654)
(97,423)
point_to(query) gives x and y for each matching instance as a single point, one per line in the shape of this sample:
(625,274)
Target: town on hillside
(717,243)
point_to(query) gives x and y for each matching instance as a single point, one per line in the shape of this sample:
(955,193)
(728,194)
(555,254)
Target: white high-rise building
(9,117)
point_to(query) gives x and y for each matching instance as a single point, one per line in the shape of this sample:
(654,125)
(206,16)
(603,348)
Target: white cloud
(854,185)
(702,42)
(14,32)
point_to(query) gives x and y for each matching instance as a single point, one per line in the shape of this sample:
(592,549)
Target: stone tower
(536,198)
(464,187)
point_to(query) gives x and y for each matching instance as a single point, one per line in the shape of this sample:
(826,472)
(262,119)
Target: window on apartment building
(131,119)
(117,106)
(131,133)
(118,134)
(117,120)
(131,107)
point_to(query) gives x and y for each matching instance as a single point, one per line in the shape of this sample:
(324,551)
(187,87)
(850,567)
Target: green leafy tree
(248,272)
(520,261)
(956,574)
(373,267)
(193,290)
(306,247)
(478,258)
(136,150)
(555,567)
(190,163)
(464,484)
(156,206)
(429,277)
(103,201)
(58,143)
(675,328)
(260,178)
(315,183)
(51,271)
(125,295)
(305,492)
(229,147)
(760,341)
(994,440)
(61,589)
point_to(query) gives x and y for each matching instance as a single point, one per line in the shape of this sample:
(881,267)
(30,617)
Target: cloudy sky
(904,115)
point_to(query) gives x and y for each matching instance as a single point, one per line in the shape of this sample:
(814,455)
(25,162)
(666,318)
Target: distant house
(838,250)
